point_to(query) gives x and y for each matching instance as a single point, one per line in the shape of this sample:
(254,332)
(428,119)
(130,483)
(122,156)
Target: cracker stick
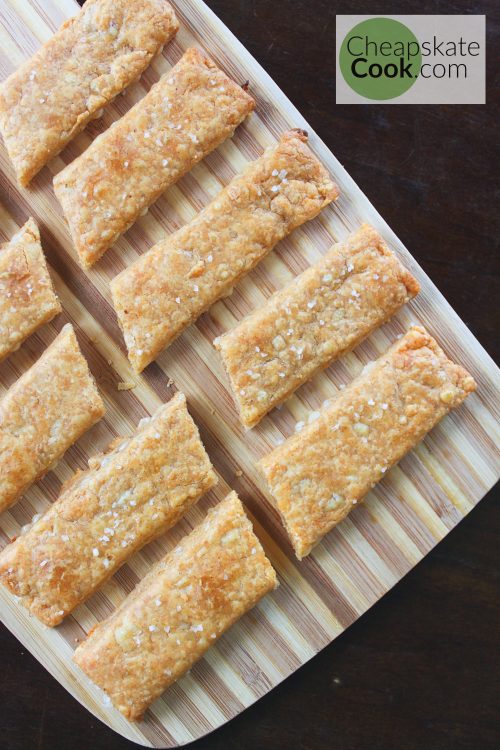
(215,575)
(93,56)
(326,311)
(27,297)
(321,472)
(184,117)
(126,498)
(170,286)
(43,413)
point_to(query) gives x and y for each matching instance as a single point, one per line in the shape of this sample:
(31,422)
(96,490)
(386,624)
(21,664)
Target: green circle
(377,72)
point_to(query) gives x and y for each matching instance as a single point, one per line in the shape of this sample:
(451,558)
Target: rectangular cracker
(186,115)
(170,286)
(27,297)
(128,496)
(216,574)
(326,311)
(43,413)
(88,61)
(319,473)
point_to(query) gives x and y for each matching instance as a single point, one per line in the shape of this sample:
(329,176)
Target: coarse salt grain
(361,429)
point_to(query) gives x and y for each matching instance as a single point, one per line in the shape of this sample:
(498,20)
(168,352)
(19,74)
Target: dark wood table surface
(420,669)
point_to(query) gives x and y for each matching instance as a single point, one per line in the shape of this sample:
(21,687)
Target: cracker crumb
(125,385)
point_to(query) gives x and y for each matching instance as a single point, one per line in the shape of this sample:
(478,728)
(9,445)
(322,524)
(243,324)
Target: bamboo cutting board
(415,506)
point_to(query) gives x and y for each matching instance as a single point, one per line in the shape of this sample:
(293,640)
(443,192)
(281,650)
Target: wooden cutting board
(415,506)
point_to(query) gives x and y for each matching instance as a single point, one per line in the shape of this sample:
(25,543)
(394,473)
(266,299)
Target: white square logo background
(433,90)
